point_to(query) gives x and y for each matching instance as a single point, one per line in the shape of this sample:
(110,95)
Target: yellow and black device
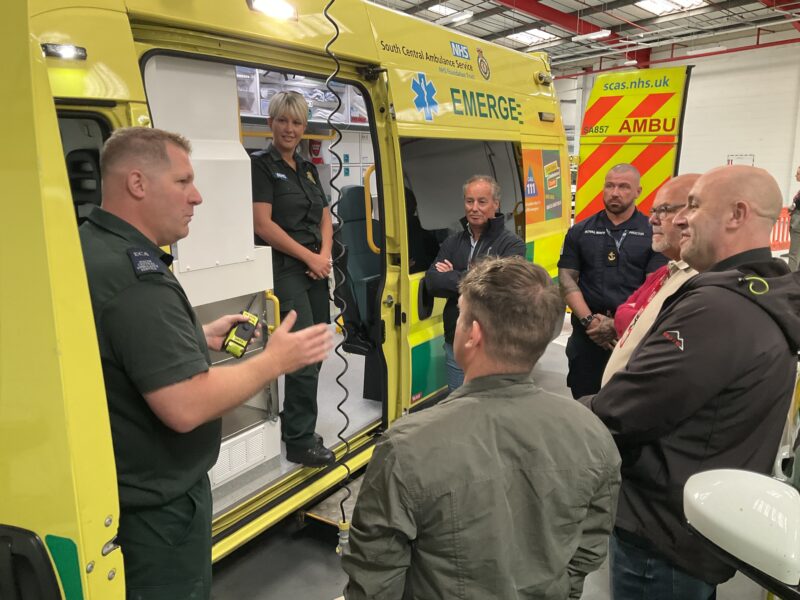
(240,334)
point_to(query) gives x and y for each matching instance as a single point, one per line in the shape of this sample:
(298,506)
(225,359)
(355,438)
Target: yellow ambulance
(422,109)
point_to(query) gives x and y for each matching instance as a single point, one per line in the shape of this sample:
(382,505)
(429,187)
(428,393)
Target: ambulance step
(329,512)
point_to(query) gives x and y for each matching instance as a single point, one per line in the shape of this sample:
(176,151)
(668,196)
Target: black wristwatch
(586,320)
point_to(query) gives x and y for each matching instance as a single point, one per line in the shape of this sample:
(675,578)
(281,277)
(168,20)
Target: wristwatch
(586,320)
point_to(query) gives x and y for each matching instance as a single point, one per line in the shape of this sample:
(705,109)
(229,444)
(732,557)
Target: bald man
(637,314)
(708,387)
(164,399)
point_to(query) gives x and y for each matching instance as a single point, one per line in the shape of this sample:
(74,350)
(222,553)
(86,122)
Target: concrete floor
(300,562)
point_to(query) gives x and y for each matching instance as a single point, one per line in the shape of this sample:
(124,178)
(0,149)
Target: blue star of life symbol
(425,92)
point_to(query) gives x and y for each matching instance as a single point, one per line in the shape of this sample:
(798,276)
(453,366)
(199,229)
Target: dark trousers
(586,361)
(167,549)
(309,299)
(637,573)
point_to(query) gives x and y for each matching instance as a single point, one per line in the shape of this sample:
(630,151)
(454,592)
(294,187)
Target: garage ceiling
(577,33)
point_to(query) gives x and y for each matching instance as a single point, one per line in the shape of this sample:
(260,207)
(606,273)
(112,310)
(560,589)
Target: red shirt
(639,299)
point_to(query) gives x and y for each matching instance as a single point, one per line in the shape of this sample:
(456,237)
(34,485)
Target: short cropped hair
(626,168)
(145,145)
(517,306)
(291,104)
(488,179)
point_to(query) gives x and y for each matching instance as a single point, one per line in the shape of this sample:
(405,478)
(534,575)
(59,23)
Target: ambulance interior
(222,109)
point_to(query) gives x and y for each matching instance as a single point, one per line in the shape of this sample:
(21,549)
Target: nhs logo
(459,50)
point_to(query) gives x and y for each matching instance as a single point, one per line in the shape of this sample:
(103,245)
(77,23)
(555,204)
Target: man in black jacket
(484,234)
(708,388)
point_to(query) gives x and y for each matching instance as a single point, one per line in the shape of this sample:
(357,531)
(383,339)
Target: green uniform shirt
(297,200)
(149,337)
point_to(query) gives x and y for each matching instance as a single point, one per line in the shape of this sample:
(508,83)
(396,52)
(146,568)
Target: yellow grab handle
(271,297)
(368,209)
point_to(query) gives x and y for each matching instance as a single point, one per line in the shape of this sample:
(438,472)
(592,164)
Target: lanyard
(619,242)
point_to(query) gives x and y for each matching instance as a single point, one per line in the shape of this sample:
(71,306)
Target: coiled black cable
(338,251)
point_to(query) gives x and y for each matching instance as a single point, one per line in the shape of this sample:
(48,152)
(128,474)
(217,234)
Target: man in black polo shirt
(604,259)
(164,399)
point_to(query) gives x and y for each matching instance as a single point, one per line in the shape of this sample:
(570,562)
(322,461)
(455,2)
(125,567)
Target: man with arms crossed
(500,491)
(483,234)
(603,260)
(164,399)
(634,318)
(708,388)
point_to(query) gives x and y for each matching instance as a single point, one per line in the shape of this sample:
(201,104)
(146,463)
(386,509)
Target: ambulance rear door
(58,506)
(633,117)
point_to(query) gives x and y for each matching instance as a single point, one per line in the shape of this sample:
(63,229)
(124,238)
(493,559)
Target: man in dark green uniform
(164,400)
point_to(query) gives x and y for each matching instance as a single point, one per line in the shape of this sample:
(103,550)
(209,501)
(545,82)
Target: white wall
(571,98)
(745,103)
(740,103)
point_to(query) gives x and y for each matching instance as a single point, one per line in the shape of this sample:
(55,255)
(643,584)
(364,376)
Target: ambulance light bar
(277,9)
(65,51)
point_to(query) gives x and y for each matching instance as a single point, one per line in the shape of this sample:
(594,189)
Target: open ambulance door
(481,112)
(633,117)
(58,504)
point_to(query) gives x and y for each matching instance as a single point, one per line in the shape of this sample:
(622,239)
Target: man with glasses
(603,260)
(635,317)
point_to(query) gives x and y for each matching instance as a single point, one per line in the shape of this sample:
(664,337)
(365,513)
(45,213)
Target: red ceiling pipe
(677,58)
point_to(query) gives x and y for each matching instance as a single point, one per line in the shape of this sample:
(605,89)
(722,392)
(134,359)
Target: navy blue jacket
(495,241)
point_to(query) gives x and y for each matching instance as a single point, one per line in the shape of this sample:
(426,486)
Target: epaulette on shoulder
(145,261)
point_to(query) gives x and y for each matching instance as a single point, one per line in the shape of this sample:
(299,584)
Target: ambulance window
(82,138)
(434,172)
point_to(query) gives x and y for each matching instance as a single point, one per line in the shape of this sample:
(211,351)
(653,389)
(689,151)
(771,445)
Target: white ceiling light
(630,63)
(689,3)
(441,9)
(594,35)
(531,36)
(277,9)
(665,7)
(455,17)
(658,7)
(694,51)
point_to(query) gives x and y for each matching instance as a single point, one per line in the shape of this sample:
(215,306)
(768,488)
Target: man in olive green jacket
(501,491)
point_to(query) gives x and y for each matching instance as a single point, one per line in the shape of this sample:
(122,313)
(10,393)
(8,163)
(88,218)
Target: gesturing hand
(293,350)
